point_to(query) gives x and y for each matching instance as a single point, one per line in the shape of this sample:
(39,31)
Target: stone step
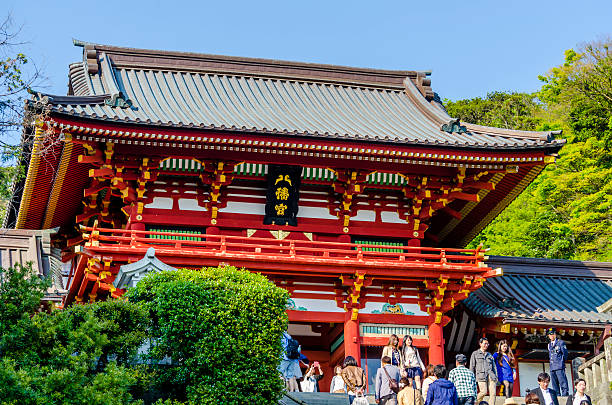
(324,398)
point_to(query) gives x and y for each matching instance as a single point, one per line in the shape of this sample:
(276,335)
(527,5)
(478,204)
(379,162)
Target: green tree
(566,212)
(18,74)
(499,109)
(220,330)
(82,355)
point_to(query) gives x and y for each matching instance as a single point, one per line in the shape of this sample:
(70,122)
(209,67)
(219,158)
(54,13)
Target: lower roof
(545,291)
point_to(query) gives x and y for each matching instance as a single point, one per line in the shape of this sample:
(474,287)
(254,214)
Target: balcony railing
(105,241)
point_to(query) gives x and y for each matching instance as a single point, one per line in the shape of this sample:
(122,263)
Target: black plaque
(283,195)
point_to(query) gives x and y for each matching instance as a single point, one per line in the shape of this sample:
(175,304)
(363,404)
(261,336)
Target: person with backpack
(387,383)
(579,396)
(290,363)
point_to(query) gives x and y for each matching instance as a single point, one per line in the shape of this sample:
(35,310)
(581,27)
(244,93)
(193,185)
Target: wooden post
(436,344)
(352,345)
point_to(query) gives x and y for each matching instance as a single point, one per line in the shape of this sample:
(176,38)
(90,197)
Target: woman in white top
(579,395)
(412,362)
(431,377)
(310,383)
(337,383)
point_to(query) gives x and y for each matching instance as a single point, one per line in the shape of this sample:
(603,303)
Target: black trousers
(466,400)
(390,399)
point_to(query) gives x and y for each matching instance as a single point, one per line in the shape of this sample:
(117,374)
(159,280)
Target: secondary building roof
(545,292)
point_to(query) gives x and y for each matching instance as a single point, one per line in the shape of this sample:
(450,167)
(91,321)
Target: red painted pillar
(352,346)
(436,344)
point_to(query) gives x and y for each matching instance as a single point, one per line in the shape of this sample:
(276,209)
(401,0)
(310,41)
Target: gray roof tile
(563,291)
(240,94)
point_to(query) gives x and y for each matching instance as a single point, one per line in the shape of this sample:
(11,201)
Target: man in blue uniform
(557,354)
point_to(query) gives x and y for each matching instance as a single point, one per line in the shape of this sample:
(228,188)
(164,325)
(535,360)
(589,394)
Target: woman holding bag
(355,380)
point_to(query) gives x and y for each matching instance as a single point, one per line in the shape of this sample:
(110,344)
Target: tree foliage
(78,356)
(566,212)
(499,109)
(18,74)
(220,330)
(197,337)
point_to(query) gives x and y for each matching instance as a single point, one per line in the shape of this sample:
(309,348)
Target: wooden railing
(105,240)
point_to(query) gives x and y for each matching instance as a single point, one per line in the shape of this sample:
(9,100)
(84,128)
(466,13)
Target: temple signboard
(282,195)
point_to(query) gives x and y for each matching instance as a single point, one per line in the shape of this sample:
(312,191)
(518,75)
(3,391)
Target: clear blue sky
(472,47)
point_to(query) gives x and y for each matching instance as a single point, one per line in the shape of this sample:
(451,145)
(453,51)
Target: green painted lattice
(181,165)
(389,179)
(175,229)
(392,330)
(260,170)
(375,242)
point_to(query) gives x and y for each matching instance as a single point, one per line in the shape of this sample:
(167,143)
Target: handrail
(225,244)
(205,235)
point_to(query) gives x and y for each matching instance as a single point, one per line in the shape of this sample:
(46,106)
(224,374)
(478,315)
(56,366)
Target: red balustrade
(262,253)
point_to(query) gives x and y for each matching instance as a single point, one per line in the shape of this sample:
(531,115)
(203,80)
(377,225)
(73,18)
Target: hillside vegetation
(566,212)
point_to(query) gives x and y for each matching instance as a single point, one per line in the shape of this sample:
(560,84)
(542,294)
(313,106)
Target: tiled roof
(131,86)
(541,290)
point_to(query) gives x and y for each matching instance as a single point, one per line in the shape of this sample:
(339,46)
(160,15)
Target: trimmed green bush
(218,331)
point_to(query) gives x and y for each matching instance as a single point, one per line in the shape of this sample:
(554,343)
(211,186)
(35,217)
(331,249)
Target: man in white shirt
(547,396)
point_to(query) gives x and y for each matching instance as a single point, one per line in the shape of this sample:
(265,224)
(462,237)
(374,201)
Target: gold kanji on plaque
(282,193)
(280,209)
(286,178)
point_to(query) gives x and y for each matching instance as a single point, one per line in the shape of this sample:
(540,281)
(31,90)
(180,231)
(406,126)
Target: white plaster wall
(244,208)
(391,217)
(365,215)
(163,203)
(315,212)
(317,305)
(189,205)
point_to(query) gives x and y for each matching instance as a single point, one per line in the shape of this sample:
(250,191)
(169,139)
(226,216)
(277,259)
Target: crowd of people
(403,378)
